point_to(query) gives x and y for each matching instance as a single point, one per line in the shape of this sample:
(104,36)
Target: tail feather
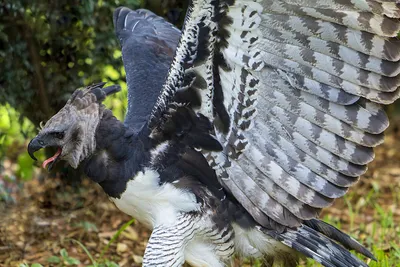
(337,235)
(321,248)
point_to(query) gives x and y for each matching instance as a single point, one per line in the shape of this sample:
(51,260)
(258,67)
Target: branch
(36,62)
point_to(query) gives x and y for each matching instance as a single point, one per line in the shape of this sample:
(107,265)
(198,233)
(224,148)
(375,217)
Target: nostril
(41,142)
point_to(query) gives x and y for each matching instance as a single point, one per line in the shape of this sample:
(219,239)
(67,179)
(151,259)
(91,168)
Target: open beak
(49,163)
(34,145)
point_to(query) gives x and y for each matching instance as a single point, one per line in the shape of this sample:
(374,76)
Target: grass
(383,226)
(372,216)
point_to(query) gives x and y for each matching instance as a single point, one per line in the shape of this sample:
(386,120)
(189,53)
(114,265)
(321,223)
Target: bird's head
(72,130)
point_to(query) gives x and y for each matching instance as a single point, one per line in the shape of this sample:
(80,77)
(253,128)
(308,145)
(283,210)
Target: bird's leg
(167,243)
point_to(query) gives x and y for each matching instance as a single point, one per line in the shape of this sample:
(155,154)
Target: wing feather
(367,43)
(148,44)
(296,162)
(335,67)
(315,125)
(325,119)
(311,149)
(376,7)
(294,90)
(295,206)
(262,201)
(374,123)
(333,50)
(364,21)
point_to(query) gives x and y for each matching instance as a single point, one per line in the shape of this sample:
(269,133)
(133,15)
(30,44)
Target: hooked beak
(34,145)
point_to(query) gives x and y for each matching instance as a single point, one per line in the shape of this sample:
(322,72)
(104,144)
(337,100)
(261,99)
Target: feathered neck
(119,155)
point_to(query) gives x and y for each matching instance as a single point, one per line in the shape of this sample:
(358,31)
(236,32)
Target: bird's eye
(58,135)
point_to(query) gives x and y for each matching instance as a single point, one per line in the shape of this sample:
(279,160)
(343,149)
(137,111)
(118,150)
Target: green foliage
(5,122)
(116,235)
(53,259)
(13,126)
(64,259)
(101,261)
(381,229)
(51,49)
(14,131)
(107,264)
(25,167)
(117,103)
(94,263)
(33,265)
(87,226)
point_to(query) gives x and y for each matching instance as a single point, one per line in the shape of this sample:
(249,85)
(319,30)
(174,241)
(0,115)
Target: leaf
(72,261)
(88,226)
(4,119)
(36,265)
(94,263)
(116,235)
(111,264)
(54,259)
(64,253)
(25,167)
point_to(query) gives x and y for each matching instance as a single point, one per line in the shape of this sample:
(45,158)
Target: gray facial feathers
(78,121)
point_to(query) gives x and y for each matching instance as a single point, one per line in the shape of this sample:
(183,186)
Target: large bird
(241,127)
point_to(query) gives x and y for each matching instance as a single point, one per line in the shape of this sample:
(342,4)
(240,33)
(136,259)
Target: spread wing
(294,91)
(148,45)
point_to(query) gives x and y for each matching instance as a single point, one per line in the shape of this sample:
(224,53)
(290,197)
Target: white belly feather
(152,204)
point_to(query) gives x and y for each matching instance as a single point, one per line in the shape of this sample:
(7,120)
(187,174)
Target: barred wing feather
(294,89)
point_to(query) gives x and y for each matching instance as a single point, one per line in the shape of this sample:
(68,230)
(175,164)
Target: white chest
(152,204)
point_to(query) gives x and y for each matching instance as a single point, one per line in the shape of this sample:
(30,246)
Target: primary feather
(148,46)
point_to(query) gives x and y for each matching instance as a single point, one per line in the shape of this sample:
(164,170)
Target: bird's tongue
(53,158)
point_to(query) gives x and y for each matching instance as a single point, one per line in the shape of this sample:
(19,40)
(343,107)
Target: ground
(58,225)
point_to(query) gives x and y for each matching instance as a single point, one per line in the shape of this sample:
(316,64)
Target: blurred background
(50,48)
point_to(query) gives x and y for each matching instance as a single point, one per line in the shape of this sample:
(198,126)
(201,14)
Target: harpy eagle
(241,127)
